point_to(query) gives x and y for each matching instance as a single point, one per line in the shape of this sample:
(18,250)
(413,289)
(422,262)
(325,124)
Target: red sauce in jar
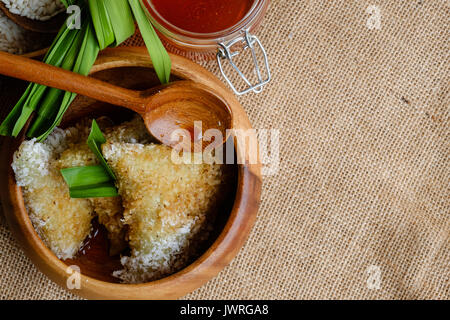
(202,16)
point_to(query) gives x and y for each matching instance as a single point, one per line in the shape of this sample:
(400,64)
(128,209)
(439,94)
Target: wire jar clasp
(226,52)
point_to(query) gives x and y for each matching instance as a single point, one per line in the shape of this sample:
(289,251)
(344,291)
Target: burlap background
(364,175)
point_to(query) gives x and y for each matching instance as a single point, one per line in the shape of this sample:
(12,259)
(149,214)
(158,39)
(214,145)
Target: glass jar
(223,45)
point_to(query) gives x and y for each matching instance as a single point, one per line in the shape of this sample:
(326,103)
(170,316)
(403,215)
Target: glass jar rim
(179,34)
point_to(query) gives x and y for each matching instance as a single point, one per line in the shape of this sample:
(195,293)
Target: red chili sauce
(202,16)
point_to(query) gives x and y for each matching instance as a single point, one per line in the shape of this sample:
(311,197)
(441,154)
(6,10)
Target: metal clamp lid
(225,53)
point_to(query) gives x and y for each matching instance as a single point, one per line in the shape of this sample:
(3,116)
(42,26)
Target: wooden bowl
(52,25)
(131,67)
(35,54)
(46,40)
(42,32)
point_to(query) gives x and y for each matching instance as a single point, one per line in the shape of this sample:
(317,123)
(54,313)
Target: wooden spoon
(178,105)
(50,26)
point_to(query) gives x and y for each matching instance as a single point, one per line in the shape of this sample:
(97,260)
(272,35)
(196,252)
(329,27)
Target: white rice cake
(168,207)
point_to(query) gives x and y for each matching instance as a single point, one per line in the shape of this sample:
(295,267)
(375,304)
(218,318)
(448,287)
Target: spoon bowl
(182,114)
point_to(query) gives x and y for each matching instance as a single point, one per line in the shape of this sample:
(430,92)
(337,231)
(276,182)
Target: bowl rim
(209,264)
(35,54)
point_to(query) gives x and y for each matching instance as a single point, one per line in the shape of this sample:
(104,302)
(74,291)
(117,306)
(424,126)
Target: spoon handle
(41,73)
